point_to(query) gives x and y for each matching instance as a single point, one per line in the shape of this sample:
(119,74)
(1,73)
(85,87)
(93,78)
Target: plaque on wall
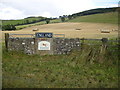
(43,45)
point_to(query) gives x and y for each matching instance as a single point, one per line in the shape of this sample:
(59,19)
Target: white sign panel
(43,45)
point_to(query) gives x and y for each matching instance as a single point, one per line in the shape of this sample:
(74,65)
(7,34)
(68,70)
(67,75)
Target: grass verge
(80,69)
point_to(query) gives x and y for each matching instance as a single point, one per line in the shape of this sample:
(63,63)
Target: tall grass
(80,69)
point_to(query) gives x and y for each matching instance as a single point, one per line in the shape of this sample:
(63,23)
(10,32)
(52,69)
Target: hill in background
(99,15)
(111,17)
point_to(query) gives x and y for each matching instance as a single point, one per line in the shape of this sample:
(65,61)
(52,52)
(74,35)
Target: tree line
(88,12)
(8,27)
(95,11)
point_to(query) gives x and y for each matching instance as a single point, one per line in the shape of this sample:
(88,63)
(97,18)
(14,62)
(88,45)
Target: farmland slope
(111,17)
(87,30)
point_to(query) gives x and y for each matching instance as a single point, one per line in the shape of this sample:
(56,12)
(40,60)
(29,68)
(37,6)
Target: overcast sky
(19,9)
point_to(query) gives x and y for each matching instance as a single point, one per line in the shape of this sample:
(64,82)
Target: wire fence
(98,42)
(21,35)
(11,35)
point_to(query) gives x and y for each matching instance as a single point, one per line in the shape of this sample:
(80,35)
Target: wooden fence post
(82,43)
(103,49)
(6,40)
(104,42)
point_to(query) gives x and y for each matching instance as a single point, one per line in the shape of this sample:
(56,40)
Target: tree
(69,17)
(8,27)
(13,27)
(62,18)
(47,21)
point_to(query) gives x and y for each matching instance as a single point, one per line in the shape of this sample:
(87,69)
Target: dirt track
(86,30)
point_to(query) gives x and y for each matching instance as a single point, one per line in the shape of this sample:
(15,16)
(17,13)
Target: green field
(29,25)
(87,68)
(22,21)
(38,23)
(111,17)
(13,22)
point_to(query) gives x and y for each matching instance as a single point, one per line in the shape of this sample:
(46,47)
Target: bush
(47,21)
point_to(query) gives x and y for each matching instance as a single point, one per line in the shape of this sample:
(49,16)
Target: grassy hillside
(40,18)
(111,17)
(23,21)
(29,25)
(38,23)
(80,69)
(96,11)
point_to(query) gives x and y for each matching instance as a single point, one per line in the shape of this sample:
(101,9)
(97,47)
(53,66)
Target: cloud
(12,9)
(104,1)
(71,6)
(113,5)
(34,7)
(8,12)
(46,14)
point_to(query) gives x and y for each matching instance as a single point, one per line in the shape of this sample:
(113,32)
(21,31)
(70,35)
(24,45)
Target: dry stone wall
(30,45)
(27,45)
(65,46)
